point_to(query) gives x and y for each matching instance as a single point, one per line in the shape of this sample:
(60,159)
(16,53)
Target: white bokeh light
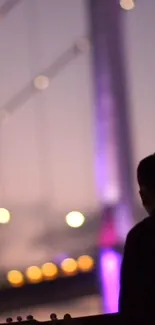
(127,4)
(41,82)
(75,219)
(4,216)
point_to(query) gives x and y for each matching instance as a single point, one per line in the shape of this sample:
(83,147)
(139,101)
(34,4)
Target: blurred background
(76,116)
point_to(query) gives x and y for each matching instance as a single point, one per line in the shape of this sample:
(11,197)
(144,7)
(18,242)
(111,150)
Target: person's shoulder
(140,228)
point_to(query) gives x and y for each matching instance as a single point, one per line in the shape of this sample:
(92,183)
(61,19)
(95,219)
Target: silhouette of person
(137,283)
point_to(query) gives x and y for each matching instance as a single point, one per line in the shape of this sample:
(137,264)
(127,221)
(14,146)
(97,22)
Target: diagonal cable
(26,93)
(8,6)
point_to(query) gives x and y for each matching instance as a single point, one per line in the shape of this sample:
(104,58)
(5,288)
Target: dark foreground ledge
(107,319)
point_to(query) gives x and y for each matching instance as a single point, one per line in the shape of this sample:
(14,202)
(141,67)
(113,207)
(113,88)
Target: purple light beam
(110,263)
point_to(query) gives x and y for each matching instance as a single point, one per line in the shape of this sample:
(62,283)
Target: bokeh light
(15,278)
(34,274)
(85,263)
(127,4)
(75,219)
(110,263)
(69,266)
(41,82)
(50,271)
(4,216)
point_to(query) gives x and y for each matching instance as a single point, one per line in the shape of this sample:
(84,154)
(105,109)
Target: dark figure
(137,293)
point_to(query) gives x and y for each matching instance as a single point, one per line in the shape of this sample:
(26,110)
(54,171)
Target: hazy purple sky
(47,146)
(140,62)
(47,163)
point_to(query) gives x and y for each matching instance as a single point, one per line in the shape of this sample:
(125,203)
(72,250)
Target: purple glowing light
(123,221)
(110,263)
(108,236)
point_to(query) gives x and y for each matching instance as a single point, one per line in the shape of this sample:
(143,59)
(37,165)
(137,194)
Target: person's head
(146,181)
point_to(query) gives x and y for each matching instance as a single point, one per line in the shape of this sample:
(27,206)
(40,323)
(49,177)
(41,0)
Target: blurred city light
(15,278)
(110,263)
(34,274)
(41,82)
(4,216)
(75,219)
(85,263)
(127,4)
(69,266)
(50,271)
